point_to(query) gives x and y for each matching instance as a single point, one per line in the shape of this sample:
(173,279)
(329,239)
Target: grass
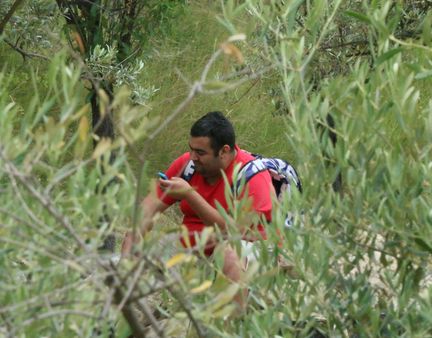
(322,241)
(186,47)
(196,37)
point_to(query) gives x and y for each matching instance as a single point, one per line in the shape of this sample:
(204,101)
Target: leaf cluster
(356,262)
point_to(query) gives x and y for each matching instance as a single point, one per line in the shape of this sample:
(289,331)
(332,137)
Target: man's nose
(193,156)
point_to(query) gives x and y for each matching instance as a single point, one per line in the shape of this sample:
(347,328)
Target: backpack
(282,173)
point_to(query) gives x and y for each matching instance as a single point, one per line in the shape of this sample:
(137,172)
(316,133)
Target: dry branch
(9,14)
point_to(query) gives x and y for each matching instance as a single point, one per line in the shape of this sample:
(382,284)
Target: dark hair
(217,127)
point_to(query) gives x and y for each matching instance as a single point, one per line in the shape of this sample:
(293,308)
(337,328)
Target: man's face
(201,153)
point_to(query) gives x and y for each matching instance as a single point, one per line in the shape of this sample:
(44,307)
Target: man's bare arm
(151,206)
(180,189)
(208,214)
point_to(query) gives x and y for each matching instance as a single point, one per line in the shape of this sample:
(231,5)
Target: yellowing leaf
(121,177)
(204,286)
(79,41)
(225,311)
(230,49)
(83,128)
(84,110)
(103,145)
(224,297)
(252,270)
(103,102)
(177,259)
(205,236)
(185,236)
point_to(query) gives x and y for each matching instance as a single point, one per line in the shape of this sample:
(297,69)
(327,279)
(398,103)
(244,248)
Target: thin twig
(9,324)
(38,298)
(410,44)
(130,315)
(210,63)
(27,209)
(127,310)
(107,304)
(321,37)
(132,285)
(152,290)
(237,83)
(182,77)
(196,88)
(57,312)
(245,93)
(9,15)
(44,252)
(125,300)
(66,174)
(153,321)
(31,225)
(44,200)
(25,53)
(53,319)
(183,303)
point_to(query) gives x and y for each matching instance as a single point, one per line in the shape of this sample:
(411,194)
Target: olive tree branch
(30,225)
(9,14)
(25,53)
(66,174)
(315,47)
(47,203)
(132,285)
(130,315)
(44,200)
(39,298)
(54,313)
(44,252)
(24,204)
(117,283)
(182,301)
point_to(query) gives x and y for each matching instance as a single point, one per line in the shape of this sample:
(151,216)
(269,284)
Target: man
(214,153)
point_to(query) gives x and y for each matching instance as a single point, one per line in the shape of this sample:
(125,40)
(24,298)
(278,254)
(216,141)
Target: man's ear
(226,149)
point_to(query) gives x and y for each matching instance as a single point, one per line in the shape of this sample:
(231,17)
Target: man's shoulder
(243,156)
(259,175)
(184,157)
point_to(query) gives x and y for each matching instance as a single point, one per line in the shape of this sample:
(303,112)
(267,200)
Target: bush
(355,263)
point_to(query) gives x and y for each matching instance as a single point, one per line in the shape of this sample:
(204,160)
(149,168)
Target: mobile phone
(162,175)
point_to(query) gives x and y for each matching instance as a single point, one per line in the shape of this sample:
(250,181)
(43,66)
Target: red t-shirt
(259,189)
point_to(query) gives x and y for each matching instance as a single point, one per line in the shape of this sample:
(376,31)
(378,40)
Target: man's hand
(176,187)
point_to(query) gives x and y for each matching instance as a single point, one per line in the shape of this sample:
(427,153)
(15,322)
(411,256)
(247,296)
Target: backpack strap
(283,176)
(281,170)
(249,170)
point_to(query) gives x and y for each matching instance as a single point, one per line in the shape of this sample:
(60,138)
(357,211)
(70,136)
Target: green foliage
(32,24)
(51,204)
(355,263)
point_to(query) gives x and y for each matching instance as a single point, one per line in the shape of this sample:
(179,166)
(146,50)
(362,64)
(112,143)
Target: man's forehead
(201,142)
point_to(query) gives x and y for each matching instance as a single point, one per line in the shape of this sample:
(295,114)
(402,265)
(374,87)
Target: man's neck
(213,179)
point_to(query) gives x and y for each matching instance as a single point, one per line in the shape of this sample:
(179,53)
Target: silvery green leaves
(104,65)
